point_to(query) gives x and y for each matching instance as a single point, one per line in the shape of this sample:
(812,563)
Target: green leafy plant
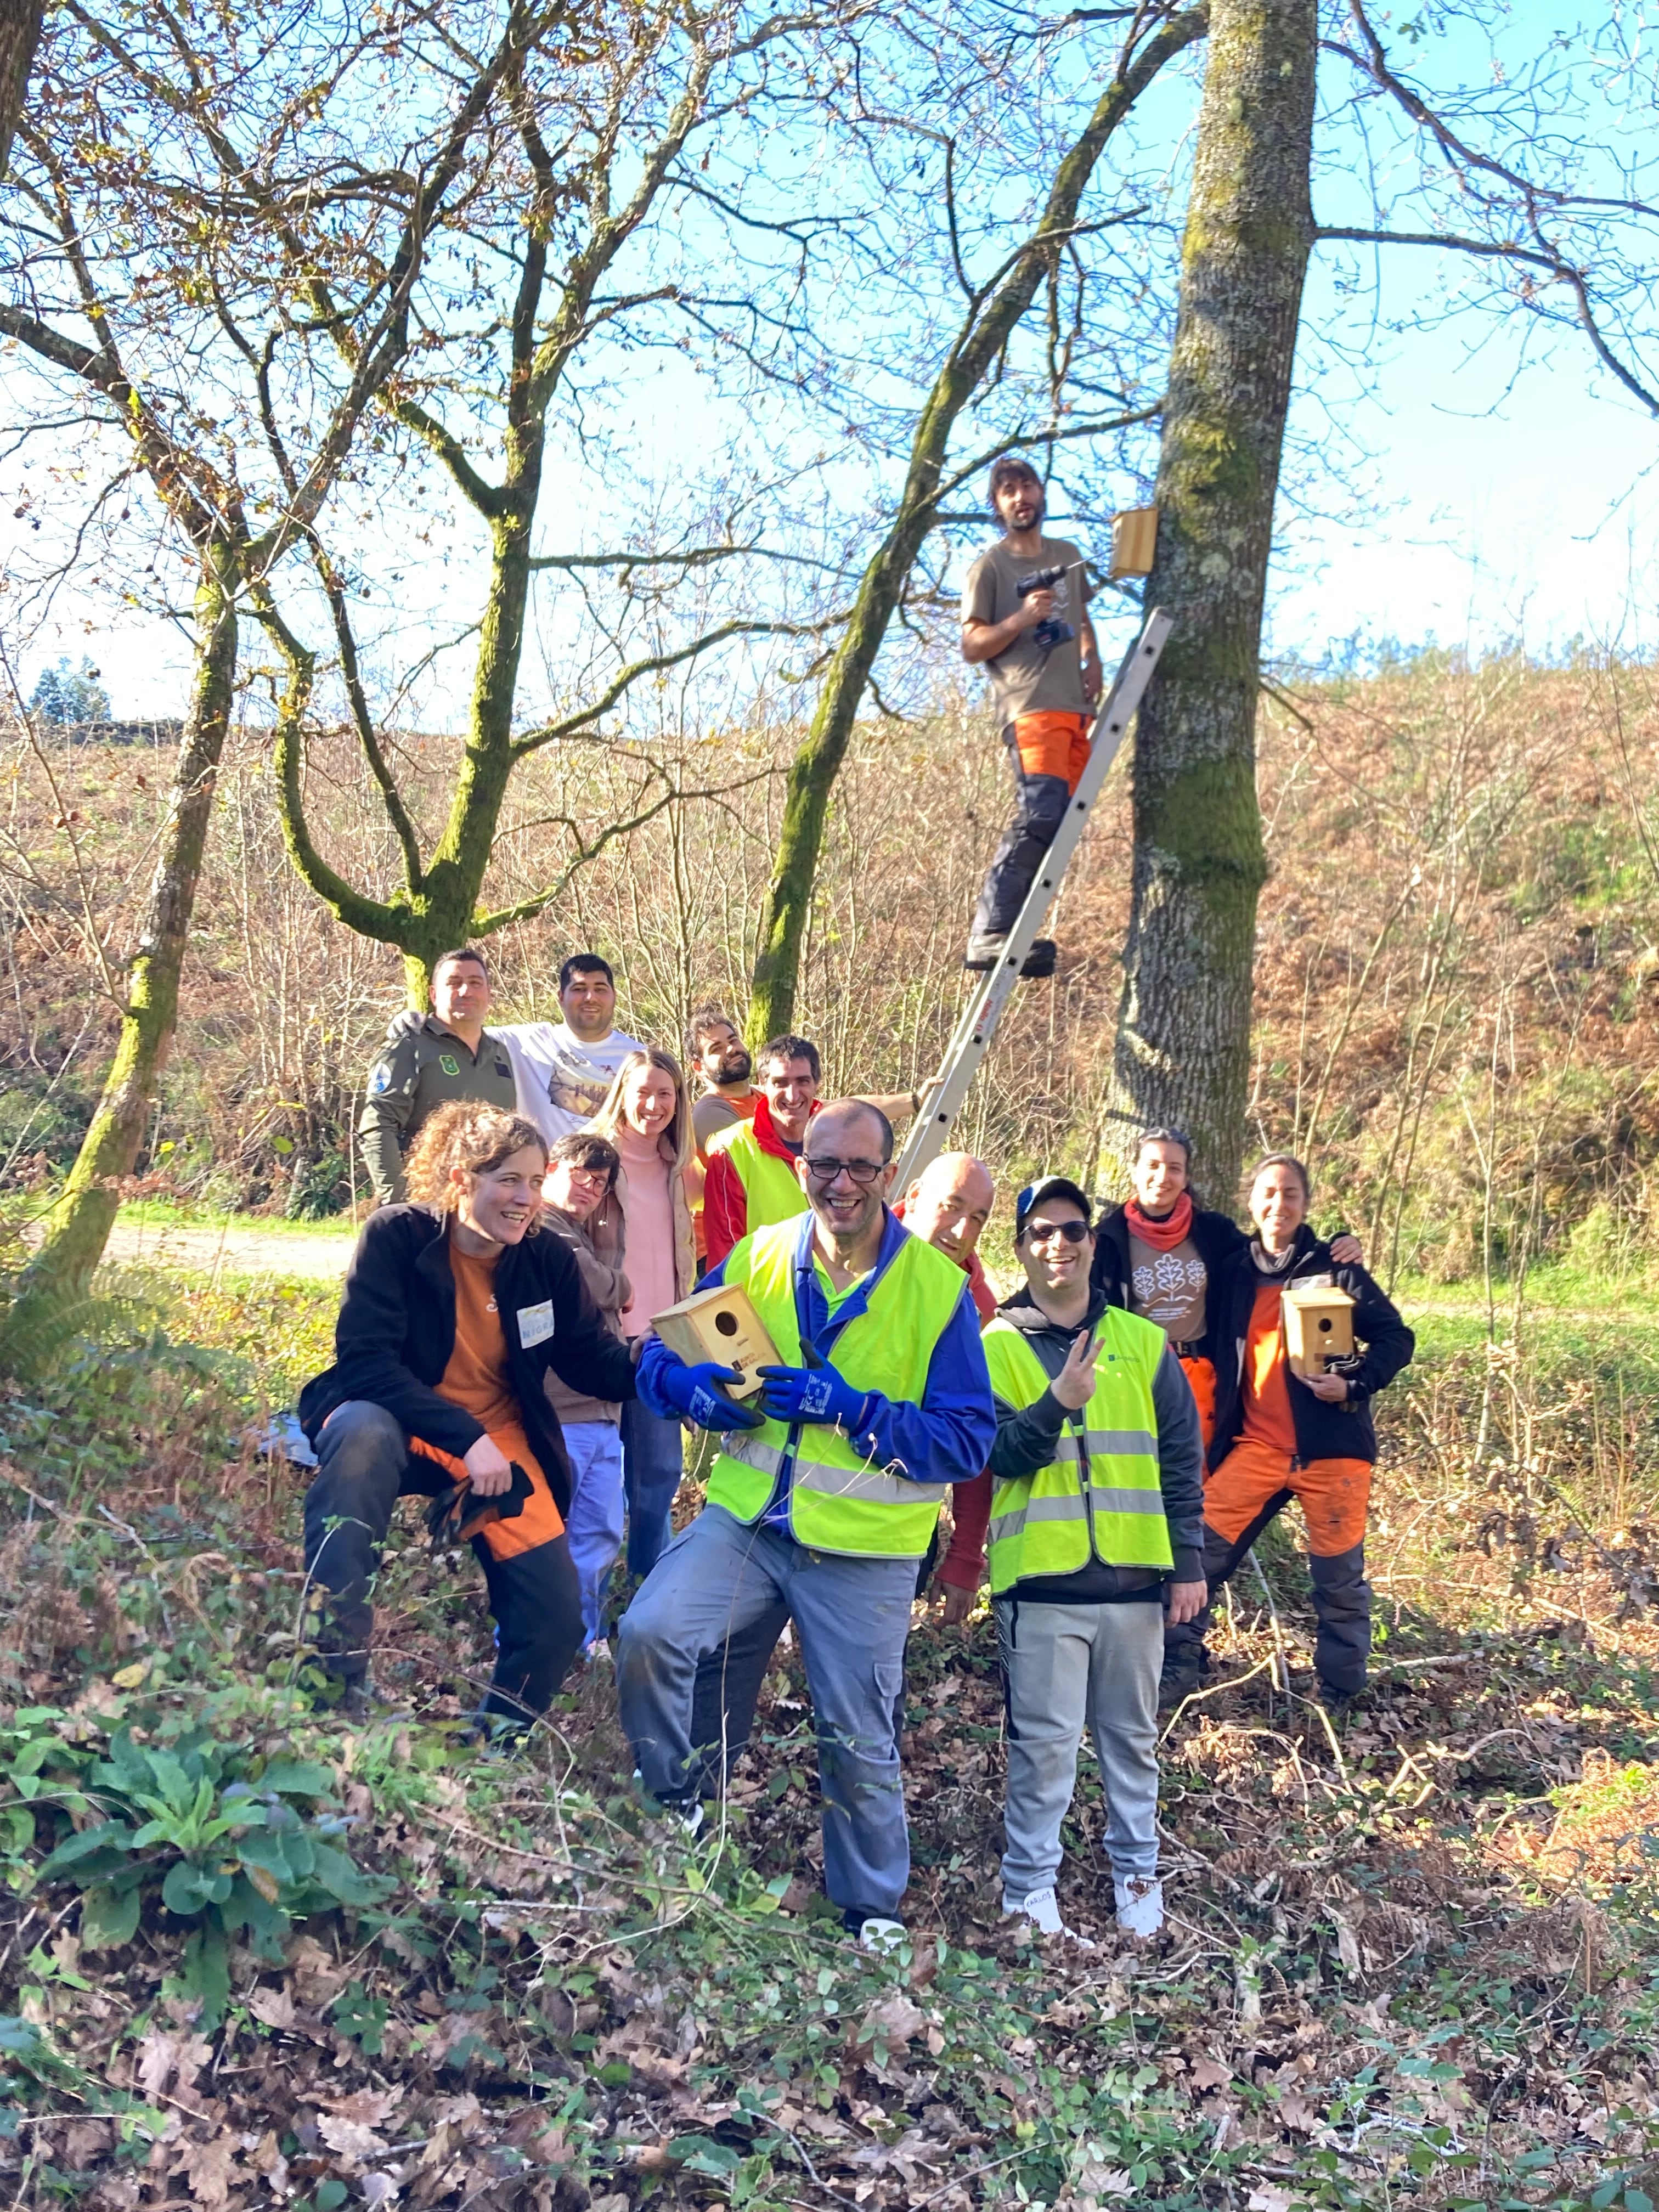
(186,1826)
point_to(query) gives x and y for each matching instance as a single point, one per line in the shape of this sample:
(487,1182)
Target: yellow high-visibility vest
(840,1500)
(770,1186)
(1098,1498)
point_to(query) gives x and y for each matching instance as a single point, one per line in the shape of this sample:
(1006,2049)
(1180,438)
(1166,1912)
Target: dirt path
(320,1259)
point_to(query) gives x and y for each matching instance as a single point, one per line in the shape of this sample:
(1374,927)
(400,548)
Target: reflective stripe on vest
(771,1188)
(1049,1523)
(839,1499)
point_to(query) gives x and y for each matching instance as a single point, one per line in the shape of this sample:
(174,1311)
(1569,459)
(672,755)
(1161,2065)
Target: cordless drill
(1051,630)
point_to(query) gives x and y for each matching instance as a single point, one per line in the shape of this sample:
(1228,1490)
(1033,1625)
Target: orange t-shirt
(476,1380)
(1267,1394)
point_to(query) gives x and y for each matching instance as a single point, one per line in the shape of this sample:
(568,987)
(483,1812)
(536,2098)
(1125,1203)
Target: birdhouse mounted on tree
(1134,541)
(1318,1326)
(720,1325)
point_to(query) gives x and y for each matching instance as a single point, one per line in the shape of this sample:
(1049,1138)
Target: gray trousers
(717,1578)
(1065,1667)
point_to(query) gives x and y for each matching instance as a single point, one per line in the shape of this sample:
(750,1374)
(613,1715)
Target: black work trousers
(364,1467)
(1341,1597)
(1039,810)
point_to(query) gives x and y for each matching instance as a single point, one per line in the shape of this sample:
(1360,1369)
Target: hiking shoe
(1183,1672)
(361,1703)
(1139,1902)
(1039,961)
(1339,1702)
(876,1933)
(1041,1908)
(985,951)
(687,1811)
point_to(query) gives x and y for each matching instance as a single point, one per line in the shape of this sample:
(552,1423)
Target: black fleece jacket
(1217,1238)
(397,1330)
(1322,1431)
(1027,1436)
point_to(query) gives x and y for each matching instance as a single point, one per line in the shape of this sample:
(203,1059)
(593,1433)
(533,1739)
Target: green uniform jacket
(412,1078)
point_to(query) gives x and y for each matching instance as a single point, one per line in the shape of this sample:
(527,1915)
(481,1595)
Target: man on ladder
(1025,617)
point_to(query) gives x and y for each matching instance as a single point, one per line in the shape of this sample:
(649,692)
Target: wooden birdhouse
(720,1325)
(1134,541)
(1318,1326)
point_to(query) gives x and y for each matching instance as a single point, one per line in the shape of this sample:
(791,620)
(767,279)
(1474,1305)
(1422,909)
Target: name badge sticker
(535,1323)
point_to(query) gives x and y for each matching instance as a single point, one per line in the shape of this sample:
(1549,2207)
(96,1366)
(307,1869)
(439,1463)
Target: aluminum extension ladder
(943,1098)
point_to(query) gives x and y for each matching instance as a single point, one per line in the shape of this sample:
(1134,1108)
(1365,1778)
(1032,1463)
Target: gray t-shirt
(1026,680)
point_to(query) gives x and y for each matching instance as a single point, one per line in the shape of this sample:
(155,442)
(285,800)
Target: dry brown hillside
(1454,982)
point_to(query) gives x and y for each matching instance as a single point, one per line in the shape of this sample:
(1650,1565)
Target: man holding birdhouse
(823,1498)
(1026,621)
(1294,1420)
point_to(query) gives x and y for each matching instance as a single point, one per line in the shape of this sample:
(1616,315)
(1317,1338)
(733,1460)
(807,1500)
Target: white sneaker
(598,1653)
(878,1935)
(1139,1903)
(1041,1908)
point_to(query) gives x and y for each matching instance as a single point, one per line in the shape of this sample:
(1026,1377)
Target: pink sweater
(650,1219)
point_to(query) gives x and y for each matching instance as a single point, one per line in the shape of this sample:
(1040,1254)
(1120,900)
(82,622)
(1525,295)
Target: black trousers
(1039,810)
(1342,1596)
(365,1466)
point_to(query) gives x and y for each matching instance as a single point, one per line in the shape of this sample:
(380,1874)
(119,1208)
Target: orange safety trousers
(538,1522)
(1201,1375)
(1333,1494)
(1053,744)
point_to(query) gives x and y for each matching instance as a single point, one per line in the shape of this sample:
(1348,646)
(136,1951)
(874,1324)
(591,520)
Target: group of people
(1111,1439)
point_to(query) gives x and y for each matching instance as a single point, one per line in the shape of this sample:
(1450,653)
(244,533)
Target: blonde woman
(455,1309)
(648,1117)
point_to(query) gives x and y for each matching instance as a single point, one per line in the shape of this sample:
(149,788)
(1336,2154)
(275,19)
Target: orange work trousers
(1053,744)
(1333,1495)
(1201,1375)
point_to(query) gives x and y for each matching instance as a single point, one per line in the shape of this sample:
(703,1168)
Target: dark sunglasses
(863,1172)
(1073,1231)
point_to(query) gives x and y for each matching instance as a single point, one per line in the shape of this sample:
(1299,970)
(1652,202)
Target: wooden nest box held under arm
(720,1325)
(1318,1326)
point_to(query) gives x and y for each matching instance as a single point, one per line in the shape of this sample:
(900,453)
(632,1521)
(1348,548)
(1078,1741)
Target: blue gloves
(694,1392)
(815,1393)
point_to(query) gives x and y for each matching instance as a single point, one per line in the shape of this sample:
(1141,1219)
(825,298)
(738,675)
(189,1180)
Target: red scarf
(1162,1236)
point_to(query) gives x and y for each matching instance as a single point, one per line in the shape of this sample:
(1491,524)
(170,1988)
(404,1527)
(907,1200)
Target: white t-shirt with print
(561,1082)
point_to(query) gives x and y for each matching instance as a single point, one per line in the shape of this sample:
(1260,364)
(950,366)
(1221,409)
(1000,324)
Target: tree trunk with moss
(993,314)
(78,1226)
(1183,1052)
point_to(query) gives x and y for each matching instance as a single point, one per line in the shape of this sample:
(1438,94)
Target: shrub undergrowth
(254,1954)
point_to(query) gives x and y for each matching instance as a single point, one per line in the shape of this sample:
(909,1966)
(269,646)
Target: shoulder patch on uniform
(380,1080)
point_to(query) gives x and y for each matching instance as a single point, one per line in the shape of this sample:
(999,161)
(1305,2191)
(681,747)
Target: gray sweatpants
(1065,1667)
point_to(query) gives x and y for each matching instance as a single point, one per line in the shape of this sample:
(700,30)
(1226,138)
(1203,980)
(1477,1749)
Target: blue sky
(1480,507)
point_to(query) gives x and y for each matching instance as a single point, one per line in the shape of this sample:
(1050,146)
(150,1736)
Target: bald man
(947,1205)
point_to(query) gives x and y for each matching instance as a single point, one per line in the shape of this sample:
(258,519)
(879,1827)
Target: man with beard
(719,1056)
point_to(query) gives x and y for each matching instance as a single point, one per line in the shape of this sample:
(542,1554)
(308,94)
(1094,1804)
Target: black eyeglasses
(863,1172)
(1073,1231)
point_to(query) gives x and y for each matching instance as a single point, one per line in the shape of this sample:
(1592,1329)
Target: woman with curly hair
(648,1117)
(455,1309)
